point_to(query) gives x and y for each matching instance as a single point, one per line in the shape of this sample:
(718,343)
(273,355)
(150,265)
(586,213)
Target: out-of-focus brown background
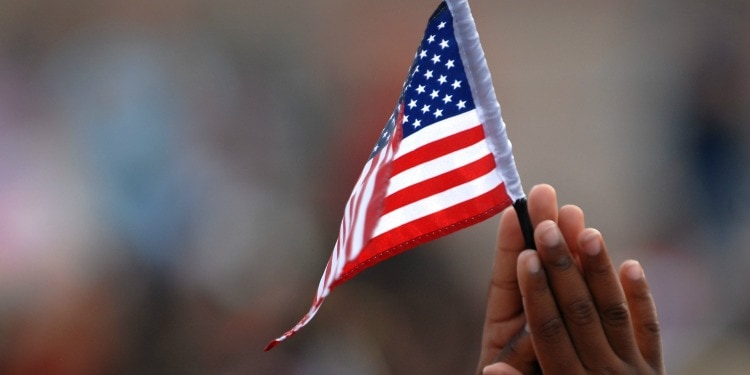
(172,175)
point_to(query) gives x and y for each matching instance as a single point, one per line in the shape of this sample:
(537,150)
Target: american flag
(443,161)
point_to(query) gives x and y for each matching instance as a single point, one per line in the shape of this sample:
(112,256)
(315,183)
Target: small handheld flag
(442,163)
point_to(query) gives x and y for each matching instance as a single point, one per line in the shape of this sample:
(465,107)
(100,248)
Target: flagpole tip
(522,210)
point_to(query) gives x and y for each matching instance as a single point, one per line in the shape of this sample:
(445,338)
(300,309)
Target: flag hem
(487,105)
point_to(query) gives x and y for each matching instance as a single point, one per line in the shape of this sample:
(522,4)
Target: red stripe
(446,218)
(438,148)
(439,183)
(428,228)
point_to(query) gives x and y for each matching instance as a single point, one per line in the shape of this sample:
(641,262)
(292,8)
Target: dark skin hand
(563,309)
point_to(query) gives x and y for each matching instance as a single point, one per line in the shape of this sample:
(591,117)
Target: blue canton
(436,87)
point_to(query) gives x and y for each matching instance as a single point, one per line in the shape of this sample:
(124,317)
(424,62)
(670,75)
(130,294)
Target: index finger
(504,308)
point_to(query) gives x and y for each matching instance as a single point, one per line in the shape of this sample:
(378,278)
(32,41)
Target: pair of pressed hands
(563,309)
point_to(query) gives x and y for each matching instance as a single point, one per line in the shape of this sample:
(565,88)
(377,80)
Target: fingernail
(591,244)
(500,368)
(549,235)
(634,271)
(533,265)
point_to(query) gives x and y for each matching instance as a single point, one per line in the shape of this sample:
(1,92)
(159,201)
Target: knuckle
(552,330)
(616,315)
(642,296)
(504,284)
(563,262)
(601,270)
(652,328)
(581,311)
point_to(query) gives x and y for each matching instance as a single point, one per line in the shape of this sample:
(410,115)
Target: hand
(504,338)
(582,317)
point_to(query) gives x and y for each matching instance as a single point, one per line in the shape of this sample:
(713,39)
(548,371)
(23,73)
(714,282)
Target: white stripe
(437,202)
(337,265)
(345,229)
(360,178)
(325,280)
(357,235)
(344,232)
(437,131)
(436,167)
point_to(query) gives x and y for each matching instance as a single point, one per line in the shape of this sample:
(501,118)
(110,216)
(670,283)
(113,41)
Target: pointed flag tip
(305,319)
(271,345)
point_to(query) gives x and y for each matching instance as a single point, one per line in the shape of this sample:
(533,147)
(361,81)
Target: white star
(422,54)
(431,39)
(426,108)
(447,98)
(420,89)
(461,104)
(438,113)
(417,123)
(450,64)
(412,104)
(441,25)
(406,119)
(435,59)
(456,84)
(443,79)
(443,44)
(435,94)
(416,69)
(428,74)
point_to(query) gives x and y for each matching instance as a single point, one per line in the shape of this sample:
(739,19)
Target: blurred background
(172,177)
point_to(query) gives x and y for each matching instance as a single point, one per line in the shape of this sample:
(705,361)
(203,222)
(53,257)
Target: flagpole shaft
(524,219)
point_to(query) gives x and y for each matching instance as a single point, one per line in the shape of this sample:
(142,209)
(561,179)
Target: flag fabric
(443,161)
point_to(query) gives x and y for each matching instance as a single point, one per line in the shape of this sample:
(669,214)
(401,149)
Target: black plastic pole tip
(524,219)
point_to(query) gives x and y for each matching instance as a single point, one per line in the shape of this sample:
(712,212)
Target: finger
(519,353)
(609,297)
(542,204)
(501,368)
(643,311)
(572,296)
(504,315)
(571,222)
(552,344)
